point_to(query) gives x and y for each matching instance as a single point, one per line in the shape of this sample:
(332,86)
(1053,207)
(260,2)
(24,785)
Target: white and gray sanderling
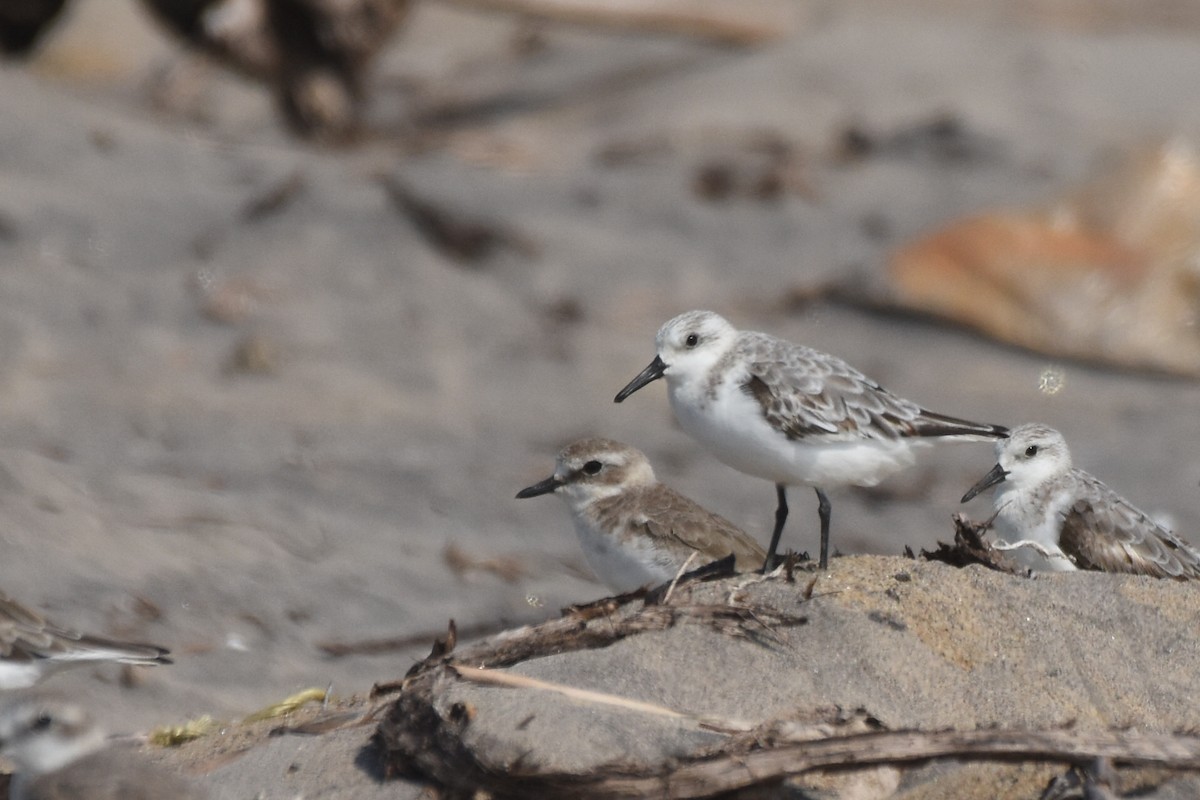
(1056,517)
(31,647)
(788,413)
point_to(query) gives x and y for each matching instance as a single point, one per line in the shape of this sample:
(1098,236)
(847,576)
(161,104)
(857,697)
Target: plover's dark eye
(692,339)
(592,467)
(1031,451)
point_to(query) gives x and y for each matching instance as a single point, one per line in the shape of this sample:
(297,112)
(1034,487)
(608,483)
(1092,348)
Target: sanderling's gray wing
(26,636)
(666,514)
(808,394)
(1102,531)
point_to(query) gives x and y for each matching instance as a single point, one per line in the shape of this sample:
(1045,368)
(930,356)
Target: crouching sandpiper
(1059,518)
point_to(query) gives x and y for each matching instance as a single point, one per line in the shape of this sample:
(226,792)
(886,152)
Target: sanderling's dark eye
(1031,451)
(592,467)
(42,722)
(692,339)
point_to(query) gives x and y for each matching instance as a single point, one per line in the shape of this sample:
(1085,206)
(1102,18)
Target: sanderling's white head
(688,347)
(1031,455)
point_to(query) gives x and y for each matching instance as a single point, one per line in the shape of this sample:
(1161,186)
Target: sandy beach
(249,410)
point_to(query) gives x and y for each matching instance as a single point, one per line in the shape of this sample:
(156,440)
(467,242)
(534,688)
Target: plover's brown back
(679,525)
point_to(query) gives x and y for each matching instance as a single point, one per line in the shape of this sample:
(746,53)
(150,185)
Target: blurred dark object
(467,241)
(315,54)
(23,21)
(943,139)
(761,165)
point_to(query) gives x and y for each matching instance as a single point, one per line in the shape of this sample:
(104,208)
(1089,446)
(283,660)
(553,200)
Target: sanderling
(1069,518)
(31,648)
(789,413)
(61,753)
(634,530)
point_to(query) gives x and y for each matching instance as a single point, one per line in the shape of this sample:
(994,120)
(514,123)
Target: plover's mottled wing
(26,636)
(108,775)
(665,514)
(807,394)
(1102,531)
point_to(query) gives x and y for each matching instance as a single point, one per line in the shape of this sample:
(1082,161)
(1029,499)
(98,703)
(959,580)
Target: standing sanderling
(1069,518)
(31,648)
(60,753)
(789,413)
(634,530)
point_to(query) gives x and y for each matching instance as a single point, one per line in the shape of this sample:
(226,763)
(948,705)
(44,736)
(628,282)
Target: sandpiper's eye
(42,722)
(592,467)
(692,339)
(1031,451)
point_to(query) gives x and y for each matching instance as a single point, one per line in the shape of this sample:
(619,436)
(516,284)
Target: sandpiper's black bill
(997,474)
(541,487)
(651,373)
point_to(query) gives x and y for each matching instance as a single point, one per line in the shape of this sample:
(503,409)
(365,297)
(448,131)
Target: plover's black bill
(541,487)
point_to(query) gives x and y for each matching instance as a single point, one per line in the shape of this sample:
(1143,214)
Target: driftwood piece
(392,644)
(582,628)
(970,548)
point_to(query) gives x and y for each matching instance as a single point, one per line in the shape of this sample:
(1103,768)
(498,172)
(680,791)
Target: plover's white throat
(61,754)
(789,413)
(1057,517)
(31,648)
(634,530)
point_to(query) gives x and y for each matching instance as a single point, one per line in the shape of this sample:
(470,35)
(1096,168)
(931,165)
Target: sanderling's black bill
(651,373)
(997,474)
